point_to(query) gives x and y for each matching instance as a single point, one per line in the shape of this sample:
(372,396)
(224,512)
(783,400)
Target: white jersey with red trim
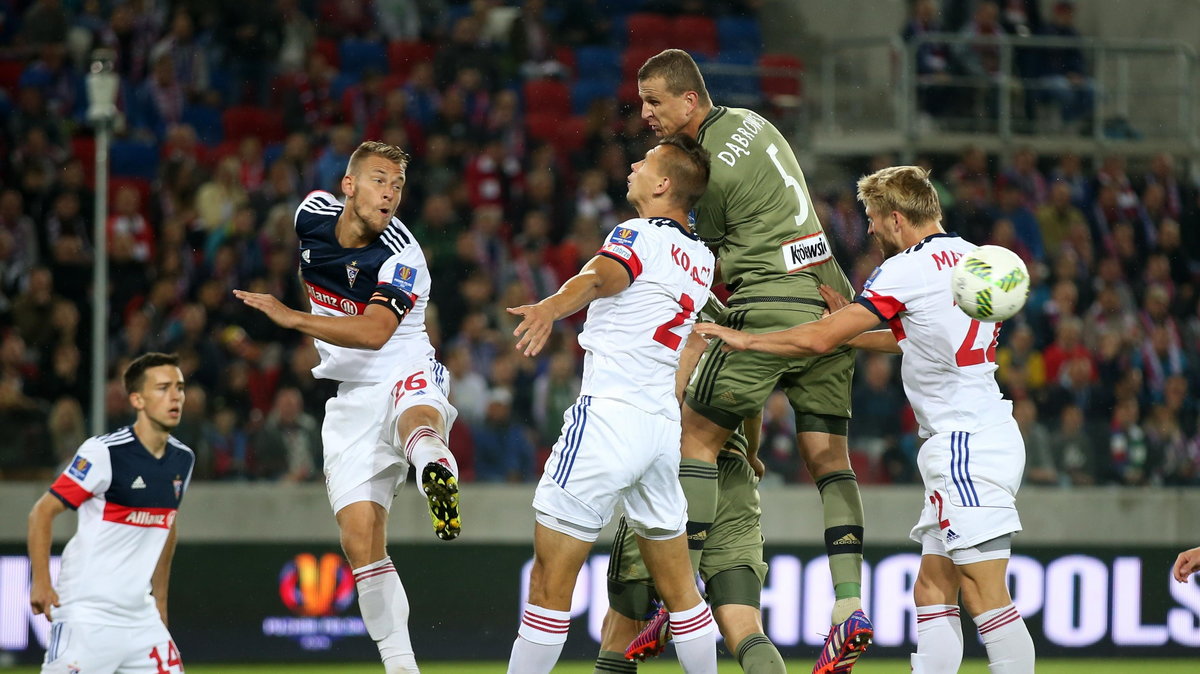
(342,281)
(949,361)
(633,338)
(127,501)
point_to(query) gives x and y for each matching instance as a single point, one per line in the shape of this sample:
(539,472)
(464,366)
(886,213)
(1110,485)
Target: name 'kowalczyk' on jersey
(127,500)
(633,338)
(342,281)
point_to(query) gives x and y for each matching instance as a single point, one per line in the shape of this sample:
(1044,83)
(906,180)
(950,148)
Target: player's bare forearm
(41,530)
(369,330)
(160,582)
(880,341)
(600,277)
(797,342)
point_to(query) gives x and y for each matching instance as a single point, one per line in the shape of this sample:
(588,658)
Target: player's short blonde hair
(374,148)
(905,189)
(678,70)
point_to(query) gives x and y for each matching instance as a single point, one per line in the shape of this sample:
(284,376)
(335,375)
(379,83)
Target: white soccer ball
(990,284)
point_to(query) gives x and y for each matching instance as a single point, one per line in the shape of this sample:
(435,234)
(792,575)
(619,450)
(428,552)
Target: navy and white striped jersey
(341,281)
(127,501)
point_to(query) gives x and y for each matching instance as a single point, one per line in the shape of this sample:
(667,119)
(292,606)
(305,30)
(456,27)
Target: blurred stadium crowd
(522,120)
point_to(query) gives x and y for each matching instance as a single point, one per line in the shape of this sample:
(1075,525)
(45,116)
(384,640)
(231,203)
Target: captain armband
(399,303)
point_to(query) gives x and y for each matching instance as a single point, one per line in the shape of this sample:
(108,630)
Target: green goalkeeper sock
(610,662)
(842,505)
(699,482)
(757,655)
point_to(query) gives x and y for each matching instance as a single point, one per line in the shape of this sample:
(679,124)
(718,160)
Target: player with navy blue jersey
(973,456)
(368,285)
(109,604)
(620,441)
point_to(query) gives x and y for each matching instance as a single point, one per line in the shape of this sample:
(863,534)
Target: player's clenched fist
(1187,563)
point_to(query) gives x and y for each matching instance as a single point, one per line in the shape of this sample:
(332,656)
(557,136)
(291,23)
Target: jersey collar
(670,222)
(935,235)
(717,112)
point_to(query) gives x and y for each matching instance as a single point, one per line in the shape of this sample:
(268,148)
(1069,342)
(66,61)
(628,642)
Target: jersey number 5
(663,334)
(968,354)
(790,181)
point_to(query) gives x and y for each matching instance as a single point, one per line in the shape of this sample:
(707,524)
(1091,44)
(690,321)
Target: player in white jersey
(973,456)
(109,604)
(620,441)
(368,284)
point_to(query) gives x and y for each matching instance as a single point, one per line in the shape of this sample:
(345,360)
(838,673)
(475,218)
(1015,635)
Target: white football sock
(384,607)
(424,446)
(1009,646)
(939,640)
(539,641)
(694,634)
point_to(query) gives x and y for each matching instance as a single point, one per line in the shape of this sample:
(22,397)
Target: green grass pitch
(866,666)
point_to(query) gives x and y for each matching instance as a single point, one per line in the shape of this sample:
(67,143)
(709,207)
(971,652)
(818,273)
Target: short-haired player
(109,604)
(368,285)
(620,440)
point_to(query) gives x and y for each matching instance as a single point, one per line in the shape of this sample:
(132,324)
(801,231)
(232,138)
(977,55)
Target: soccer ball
(990,284)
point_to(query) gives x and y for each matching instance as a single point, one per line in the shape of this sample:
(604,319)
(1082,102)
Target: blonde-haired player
(368,284)
(973,456)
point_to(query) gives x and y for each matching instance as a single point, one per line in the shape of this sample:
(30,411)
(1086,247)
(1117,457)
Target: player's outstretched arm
(160,582)
(1187,563)
(809,339)
(41,530)
(882,341)
(600,277)
(369,330)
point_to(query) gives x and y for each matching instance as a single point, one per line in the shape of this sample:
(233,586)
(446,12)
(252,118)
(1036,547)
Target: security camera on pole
(102,85)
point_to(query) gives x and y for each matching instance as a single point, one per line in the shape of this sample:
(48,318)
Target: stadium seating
(780,80)
(241,121)
(650,31)
(402,56)
(134,159)
(547,95)
(632,59)
(696,34)
(207,123)
(738,34)
(584,91)
(597,63)
(10,74)
(359,56)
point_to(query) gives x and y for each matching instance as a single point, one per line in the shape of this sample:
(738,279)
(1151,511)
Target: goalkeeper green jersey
(757,215)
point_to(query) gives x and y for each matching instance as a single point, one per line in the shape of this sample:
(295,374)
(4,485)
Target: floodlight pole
(102,84)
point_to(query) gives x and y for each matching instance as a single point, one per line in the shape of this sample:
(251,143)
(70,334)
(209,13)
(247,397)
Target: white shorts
(609,453)
(84,648)
(364,453)
(971,482)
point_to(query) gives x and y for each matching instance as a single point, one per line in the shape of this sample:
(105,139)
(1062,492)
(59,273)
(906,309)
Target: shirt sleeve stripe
(631,262)
(69,492)
(885,307)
